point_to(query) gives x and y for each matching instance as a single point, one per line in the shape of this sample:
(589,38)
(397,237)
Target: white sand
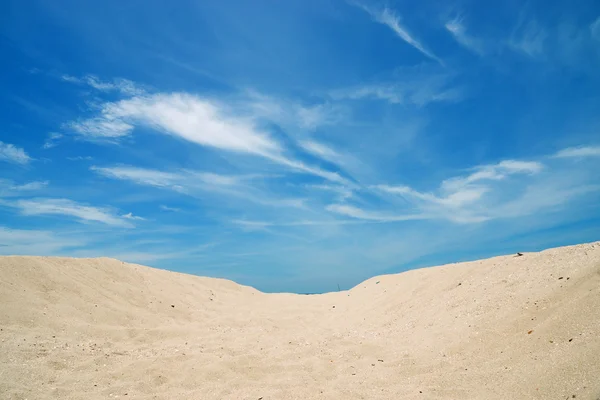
(101,329)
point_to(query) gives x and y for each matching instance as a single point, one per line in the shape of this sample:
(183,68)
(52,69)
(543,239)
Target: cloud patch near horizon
(66,207)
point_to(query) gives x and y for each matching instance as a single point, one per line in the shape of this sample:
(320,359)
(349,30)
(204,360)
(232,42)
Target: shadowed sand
(504,328)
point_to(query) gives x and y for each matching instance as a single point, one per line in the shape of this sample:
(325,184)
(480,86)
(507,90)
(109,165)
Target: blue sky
(298,145)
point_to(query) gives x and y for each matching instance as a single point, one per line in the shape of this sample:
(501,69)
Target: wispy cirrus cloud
(124,86)
(197,184)
(458,30)
(322,151)
(529,38)
(52,140)
(389,18)
(288,113)
(579,152)
(493,172)
(417,86)
(169,209)
(37,242)
(355,212)
(8,188)
(31,186)
(462,198)
(133,217)
(595,29)
(13,154)
(80,158)
(194,119)
(70,208)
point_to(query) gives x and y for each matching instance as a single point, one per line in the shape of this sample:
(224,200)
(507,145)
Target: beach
(508,327)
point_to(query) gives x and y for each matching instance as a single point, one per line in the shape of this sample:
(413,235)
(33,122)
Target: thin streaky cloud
(133,217)
(529,39)
(194,119)
(67,207)
(595,29)
(358,213)
(458,30)
(13,154)
(124,86)
(169,209)
(578,152)
(389,18)
(52,140)
(31,186)
(322,151)
(197,184)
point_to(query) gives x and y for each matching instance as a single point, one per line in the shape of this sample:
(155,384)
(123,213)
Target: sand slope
(504,328)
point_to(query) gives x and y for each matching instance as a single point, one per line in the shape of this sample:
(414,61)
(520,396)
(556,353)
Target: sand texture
(503,328)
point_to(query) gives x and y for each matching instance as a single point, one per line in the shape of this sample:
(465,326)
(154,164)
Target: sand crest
(508,327)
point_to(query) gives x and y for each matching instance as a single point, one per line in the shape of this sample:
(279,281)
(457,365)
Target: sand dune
(504,328)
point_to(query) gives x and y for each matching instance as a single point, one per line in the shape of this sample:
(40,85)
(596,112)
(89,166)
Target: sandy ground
(504,328)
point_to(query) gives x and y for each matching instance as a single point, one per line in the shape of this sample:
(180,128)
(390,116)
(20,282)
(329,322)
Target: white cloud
(343,192)
(459,32)
(52,140)
(71,79)
(13,154)
(193,119)
(107,127)
(9,188)
(124,86)
(595,29)
(530,39)
(311,117)
(395,93)
(492,172)
(45,206)
(417,86)
(578,152)
(193,182)
(391,20)
(144,176)
(132,217)
(355,212)
(80,158)
(36,242)
(169,209)
(31,186)
(322,151)
(231,125)
(453,200)
(471,198)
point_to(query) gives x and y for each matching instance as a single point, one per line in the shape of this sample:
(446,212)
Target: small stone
(570,340)
(560,277)
(173,305)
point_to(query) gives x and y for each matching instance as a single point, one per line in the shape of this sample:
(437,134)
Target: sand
(503,328)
